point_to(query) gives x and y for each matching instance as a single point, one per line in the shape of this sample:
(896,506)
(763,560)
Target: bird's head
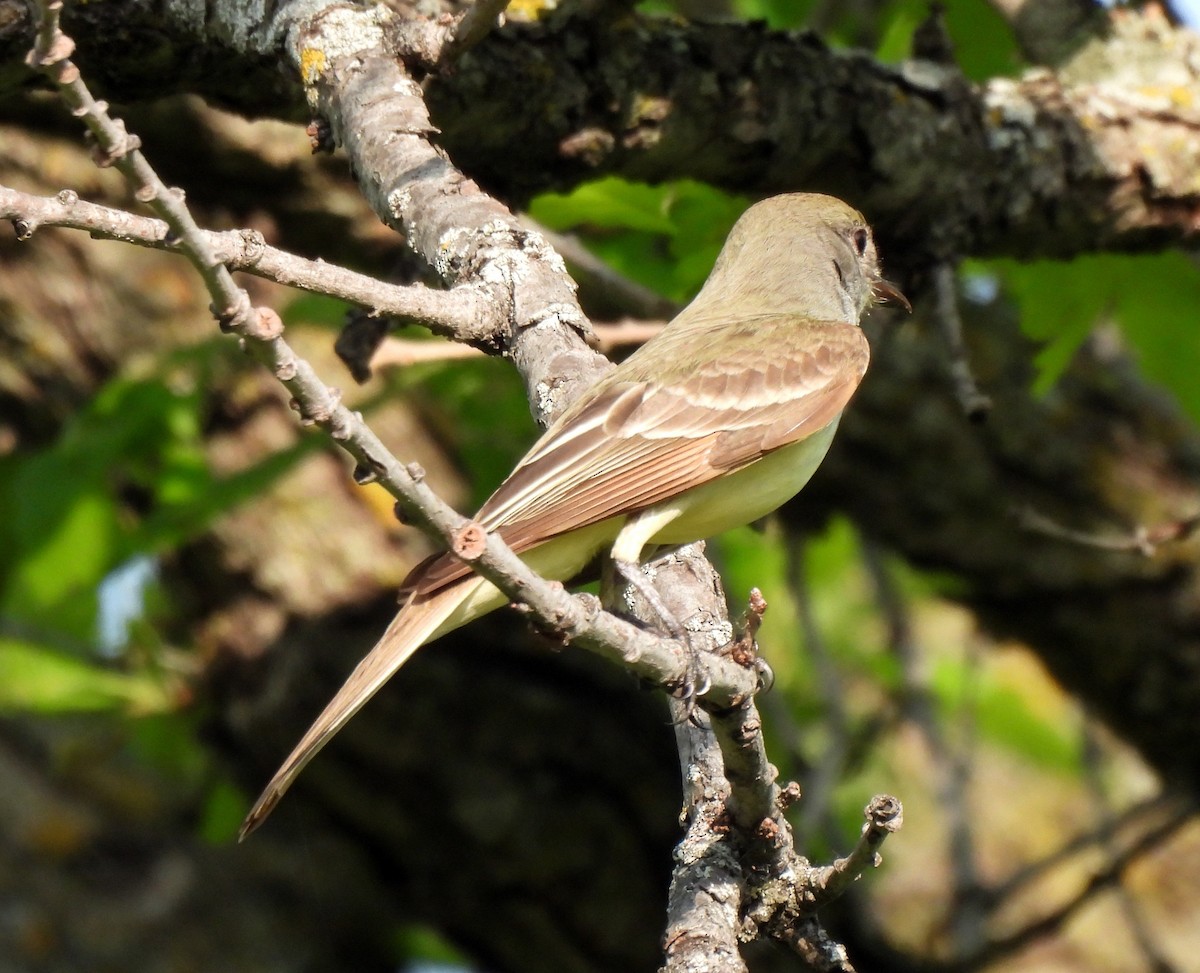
(801,253)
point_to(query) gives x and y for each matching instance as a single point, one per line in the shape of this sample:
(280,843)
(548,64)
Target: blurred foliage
(476,408)
(424,948)
(665,237)
(38,679)
(1152,298)
(982,43)
(127,478)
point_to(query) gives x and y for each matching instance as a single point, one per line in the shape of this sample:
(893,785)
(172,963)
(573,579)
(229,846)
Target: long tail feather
(417,623)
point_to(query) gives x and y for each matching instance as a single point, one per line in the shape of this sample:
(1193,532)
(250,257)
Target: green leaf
(981,39)
(840,598)
(221,816)
(749,558)
(425,945)
(190,498)
(1005,717)
(610,203)
(34,678)
(665,237)
(65,542)
(780,14)
(65,523)
(1152,298)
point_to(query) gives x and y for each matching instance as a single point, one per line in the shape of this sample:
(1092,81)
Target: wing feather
(641,441)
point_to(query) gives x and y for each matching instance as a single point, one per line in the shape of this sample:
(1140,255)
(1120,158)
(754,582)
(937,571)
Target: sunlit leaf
(53,573)
(424,946)
(610,203)
(1004,716)
(1152,298)
(665,236)
(981,41)
(34,678)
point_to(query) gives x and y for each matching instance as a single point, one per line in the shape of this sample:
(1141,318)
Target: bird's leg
(696,681)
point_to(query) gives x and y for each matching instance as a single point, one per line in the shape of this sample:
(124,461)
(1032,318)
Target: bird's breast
(752,492)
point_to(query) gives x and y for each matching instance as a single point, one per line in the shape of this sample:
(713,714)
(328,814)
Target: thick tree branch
(1100,158)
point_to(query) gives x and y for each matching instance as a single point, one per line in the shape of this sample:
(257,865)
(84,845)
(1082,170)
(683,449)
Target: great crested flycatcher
(713,423)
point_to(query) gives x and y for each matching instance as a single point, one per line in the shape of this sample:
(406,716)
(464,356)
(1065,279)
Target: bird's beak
(885,291)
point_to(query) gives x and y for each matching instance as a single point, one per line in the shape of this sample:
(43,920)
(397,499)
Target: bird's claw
(766,675)
(696,682)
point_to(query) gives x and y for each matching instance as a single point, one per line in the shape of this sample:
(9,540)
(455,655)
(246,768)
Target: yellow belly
(746,495)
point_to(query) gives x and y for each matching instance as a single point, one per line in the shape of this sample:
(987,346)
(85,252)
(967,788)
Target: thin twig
(975,404)
(461,313)
(1129,906)
(1107,833)
(475,23)
(402,352)
(952,766)
(884,815)
(615,291)
(1142,540)
(1099,882)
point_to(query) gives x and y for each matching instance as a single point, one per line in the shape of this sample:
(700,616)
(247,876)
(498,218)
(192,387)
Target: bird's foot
(695,682)
(766,675)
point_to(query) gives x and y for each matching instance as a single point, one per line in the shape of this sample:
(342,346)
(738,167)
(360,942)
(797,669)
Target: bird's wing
(638,443)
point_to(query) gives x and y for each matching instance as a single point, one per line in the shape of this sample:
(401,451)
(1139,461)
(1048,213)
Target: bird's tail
(422,619)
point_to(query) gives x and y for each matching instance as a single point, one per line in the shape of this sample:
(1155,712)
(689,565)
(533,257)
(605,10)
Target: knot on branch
(234,317)
(118,144)
(342,422)
(254,245)
(744,649)
(263,324)
(789,794)
(469,541)
(885,816)
(317,411)
(52,47)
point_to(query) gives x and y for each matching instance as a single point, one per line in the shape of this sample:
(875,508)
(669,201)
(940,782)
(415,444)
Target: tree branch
(1038,166)
(461,314)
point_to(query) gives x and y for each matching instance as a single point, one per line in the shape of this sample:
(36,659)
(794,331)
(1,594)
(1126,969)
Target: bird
(713,423)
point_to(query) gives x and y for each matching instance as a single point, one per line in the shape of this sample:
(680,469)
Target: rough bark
(1099,156)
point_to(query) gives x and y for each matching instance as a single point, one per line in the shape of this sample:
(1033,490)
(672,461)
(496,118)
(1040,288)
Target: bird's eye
(860,241)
